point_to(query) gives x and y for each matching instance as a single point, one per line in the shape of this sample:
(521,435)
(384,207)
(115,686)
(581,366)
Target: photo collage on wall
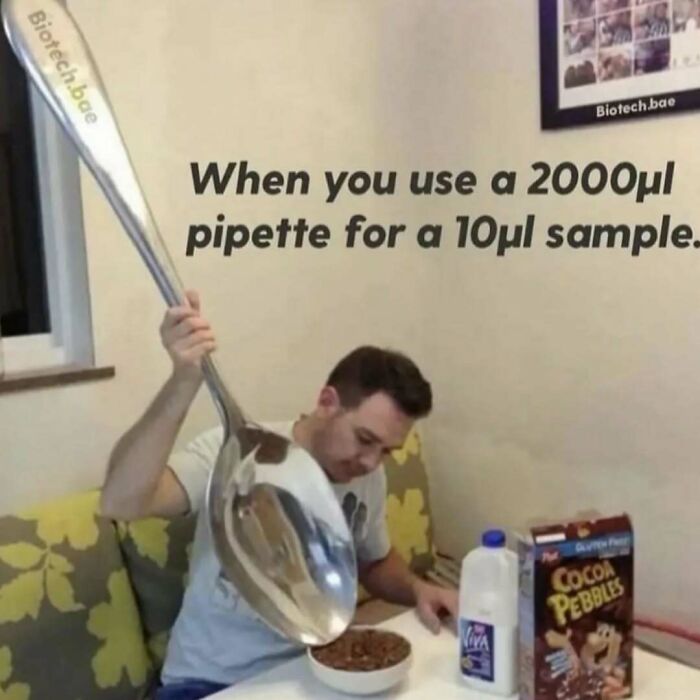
(617,49)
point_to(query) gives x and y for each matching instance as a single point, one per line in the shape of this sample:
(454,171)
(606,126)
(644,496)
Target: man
(659,24)
(365,410)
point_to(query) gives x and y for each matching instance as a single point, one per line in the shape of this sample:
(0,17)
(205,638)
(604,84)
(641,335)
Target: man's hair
(368,370)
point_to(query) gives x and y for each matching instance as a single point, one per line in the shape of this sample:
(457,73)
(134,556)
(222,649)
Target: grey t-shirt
(217,636)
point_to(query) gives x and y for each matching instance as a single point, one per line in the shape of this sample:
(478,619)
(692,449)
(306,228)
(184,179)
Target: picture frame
(605,60)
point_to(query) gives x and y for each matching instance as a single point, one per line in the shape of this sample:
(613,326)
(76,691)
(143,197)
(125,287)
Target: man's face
(352,442)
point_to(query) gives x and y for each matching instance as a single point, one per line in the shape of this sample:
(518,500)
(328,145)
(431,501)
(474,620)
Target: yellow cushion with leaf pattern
(69,626)
(408,505)
(156,552)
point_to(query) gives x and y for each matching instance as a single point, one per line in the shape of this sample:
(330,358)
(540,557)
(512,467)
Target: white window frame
(70,341)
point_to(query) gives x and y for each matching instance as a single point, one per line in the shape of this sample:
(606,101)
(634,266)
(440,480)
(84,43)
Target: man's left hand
(433,603)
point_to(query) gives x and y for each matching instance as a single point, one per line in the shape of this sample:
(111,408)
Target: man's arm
(391,579)
(138,481)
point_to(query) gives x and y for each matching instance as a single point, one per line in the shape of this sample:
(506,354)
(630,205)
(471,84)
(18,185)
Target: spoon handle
(51,48)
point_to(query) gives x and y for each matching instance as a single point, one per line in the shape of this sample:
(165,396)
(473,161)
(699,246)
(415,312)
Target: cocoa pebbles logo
(62,63)
(580,591)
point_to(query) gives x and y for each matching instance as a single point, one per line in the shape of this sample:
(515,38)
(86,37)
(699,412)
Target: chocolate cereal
(363,650)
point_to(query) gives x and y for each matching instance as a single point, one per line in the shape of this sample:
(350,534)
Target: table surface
(435,675)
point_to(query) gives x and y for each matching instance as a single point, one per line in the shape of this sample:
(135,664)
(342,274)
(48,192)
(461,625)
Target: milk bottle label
(476,650)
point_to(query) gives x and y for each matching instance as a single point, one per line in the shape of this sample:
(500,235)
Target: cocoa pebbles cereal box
(576,610)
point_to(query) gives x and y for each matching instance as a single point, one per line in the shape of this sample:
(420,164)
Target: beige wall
(563,380)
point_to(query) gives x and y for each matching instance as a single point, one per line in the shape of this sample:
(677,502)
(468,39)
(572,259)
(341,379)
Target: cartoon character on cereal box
(601,653)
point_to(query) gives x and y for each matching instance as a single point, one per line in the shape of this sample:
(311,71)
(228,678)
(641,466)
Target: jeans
(190,689)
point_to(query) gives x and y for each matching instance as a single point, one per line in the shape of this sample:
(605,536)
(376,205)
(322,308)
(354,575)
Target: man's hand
(391,579)
(188,338)
(433,603)
(138,483)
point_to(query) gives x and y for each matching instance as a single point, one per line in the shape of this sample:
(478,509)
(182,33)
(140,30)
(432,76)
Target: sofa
(87,603)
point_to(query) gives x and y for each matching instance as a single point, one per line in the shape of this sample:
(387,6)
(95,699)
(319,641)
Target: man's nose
(369,462)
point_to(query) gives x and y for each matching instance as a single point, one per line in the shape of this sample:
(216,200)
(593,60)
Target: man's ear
(328,403)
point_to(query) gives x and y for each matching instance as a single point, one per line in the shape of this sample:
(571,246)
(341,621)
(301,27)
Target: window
(44,302)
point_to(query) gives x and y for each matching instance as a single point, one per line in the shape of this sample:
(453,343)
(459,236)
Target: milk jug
(488,616)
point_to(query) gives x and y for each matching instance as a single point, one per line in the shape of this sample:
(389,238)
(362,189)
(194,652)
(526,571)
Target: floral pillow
(156,552)
(69,626)
(408,505)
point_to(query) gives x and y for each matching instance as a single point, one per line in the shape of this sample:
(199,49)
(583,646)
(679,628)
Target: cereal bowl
(362,661)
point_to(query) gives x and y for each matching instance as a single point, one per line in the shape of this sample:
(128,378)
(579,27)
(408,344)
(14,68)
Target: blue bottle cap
(493,539)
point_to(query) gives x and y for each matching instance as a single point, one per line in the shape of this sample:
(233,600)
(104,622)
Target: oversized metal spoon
(278,530)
